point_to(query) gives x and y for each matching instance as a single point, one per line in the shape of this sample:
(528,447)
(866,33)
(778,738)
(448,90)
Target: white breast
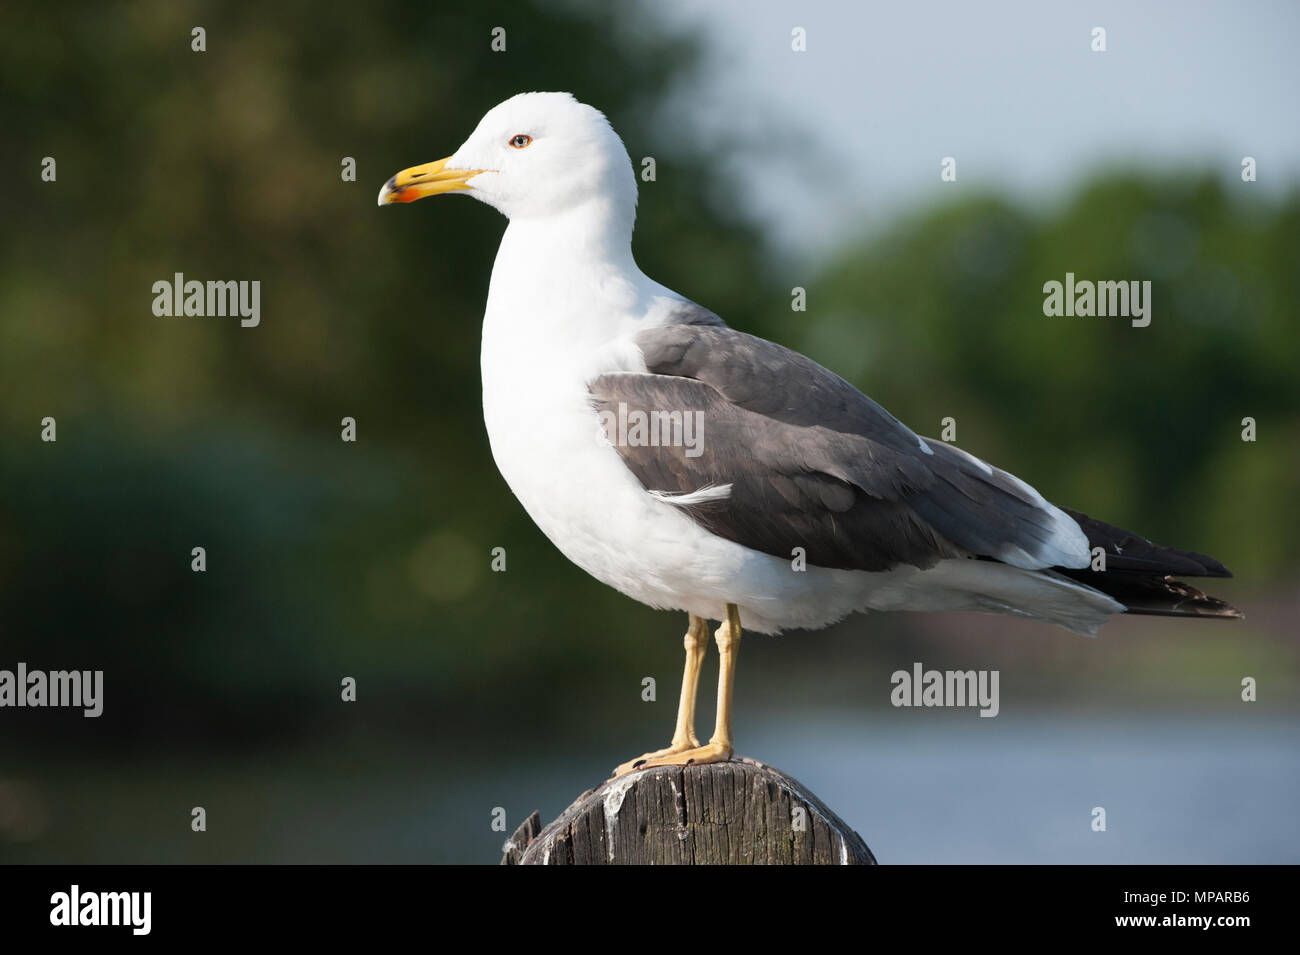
(546,442)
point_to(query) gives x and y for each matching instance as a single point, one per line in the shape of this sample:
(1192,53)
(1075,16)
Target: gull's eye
(520,141)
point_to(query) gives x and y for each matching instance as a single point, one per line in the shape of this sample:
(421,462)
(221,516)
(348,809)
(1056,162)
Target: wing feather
(814,463)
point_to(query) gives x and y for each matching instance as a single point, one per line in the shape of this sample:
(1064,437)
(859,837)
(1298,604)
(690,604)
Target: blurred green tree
(943,316)
(324,558)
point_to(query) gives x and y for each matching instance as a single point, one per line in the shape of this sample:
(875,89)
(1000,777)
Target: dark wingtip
(1130,552)
(1210,566)
(1174,598)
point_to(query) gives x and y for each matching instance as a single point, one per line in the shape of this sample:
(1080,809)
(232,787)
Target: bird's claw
(710,752)
(644,760)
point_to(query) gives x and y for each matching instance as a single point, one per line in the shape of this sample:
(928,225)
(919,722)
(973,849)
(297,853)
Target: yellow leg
(696,642)
(719,748)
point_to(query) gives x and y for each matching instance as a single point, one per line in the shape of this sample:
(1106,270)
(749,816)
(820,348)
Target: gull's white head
(535,155)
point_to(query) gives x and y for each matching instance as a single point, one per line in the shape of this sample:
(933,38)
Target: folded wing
(814,463)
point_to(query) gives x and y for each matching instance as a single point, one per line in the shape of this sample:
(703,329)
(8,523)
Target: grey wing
(811,462)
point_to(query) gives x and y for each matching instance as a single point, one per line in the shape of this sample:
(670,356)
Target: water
(920,786)
(1175,789)
(950,787)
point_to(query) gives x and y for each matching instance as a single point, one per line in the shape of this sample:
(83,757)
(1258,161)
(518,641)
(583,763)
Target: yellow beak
(428,180)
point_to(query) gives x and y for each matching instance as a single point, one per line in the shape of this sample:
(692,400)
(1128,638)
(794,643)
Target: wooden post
(735,813)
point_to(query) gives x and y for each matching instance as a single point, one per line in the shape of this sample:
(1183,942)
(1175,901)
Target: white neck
(565,282)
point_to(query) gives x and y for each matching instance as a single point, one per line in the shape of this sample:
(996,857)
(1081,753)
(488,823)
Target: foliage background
(371,560)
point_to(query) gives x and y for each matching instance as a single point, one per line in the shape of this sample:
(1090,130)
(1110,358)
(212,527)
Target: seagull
(697,468)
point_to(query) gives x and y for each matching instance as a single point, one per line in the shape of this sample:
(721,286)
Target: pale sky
(852,131)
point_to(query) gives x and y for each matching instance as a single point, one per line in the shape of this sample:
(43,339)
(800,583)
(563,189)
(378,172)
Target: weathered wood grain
(736,813)
(528,830)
